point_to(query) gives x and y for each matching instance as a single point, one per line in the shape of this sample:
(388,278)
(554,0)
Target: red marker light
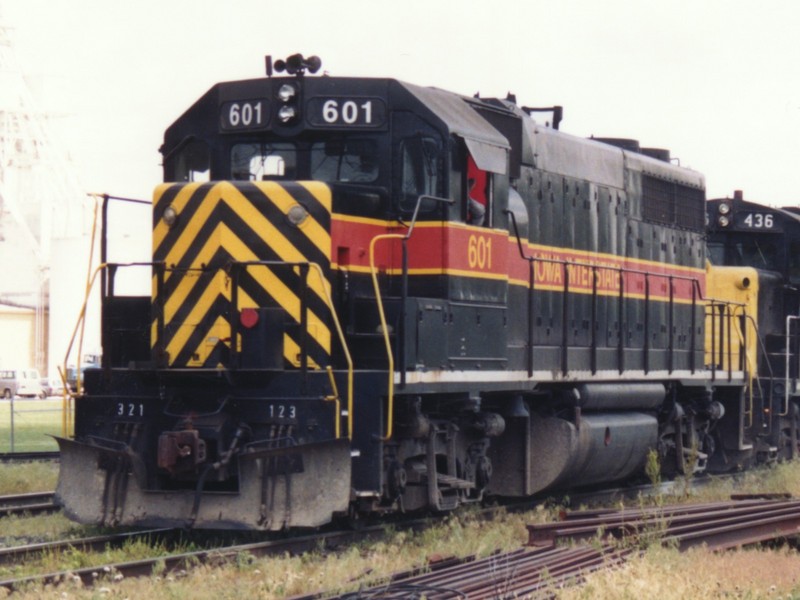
(248,318)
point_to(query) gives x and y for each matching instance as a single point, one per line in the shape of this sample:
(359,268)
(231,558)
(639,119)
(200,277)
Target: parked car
(21,382)
(52,387)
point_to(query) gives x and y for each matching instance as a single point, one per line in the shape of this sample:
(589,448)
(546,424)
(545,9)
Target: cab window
(757,252)
(345,160)
(190,162)
(420,170)
(261,161)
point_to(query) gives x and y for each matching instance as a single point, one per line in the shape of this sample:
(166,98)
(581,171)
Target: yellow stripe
(548,287)
(179,203)
(589,256)
(263,275)
(218,331)
(281,198)
(321,191)
(199,310)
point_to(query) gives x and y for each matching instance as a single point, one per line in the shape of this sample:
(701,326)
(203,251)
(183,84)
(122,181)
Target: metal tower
(40,198)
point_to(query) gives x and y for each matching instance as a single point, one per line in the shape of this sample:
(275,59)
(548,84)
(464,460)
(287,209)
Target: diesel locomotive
(371,297)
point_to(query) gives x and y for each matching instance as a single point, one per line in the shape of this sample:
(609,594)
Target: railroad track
(31,503)
(526,559)
(18,554)
(547,563)
(11,457)
(176,562)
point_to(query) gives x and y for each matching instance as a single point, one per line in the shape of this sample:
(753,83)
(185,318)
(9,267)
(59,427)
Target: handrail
(66,424)
(328,299)
(697,296)
(379,301)
(786,377)
(763,348)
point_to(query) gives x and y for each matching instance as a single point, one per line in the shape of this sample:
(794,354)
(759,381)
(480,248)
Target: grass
(666,574)
(34,422)
(22,478)
(662,573)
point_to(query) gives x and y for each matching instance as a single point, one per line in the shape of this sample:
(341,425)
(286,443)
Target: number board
(342,111)
(244,115)
(755,220)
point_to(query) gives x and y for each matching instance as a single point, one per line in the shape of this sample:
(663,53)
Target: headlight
(287,113)
(170,216)
(296,215)
(286,92)
(723,221)
(724,208)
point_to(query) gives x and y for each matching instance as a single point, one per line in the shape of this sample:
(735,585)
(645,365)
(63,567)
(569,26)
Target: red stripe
(464,250)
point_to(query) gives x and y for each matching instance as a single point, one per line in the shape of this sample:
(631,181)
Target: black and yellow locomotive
(370,296)
(761,244)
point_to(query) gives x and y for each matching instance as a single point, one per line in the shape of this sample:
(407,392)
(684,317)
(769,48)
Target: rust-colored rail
(548,562)
(719,526)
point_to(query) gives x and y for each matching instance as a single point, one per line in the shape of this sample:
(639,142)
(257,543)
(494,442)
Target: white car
(20,382)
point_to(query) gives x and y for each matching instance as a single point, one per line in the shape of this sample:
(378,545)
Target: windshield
(339,160)
(332,160)
(757,253)
(255,162)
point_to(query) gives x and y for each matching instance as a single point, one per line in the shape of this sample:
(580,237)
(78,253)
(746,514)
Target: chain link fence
(27,425)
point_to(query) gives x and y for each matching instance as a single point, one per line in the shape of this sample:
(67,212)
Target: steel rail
(34,503)
(17,554)
(550,562)
(10,457)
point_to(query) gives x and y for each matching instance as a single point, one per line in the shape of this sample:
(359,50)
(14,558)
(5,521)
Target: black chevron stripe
(249,284)
(261,298)
(185,218)
(221,307)
(200,332)
(287,275)
(316,210)
(266,207)
(166,198)
(224,214)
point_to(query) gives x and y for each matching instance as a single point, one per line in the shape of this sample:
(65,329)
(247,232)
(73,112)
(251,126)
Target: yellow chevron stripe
(199,310)
(224,238)
(220,330)
(257,222)
(268,232)
(291,352)
(179,203)
(316,234)
(263,275)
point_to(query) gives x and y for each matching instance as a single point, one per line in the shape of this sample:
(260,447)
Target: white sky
(715,81)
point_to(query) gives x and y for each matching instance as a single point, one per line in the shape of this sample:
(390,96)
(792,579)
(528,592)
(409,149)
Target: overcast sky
(715,81)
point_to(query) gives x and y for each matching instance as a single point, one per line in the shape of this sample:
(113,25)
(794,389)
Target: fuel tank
(600,448)
(557,453)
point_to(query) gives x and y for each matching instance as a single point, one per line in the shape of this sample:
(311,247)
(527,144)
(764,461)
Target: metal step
(444,480)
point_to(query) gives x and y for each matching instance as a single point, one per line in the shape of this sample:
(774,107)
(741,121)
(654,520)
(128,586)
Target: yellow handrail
(65,422)
(384,327)
(345,349)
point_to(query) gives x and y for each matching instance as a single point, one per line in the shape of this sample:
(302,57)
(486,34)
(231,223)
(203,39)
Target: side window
(191,162)
(478,194)
(420,170)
